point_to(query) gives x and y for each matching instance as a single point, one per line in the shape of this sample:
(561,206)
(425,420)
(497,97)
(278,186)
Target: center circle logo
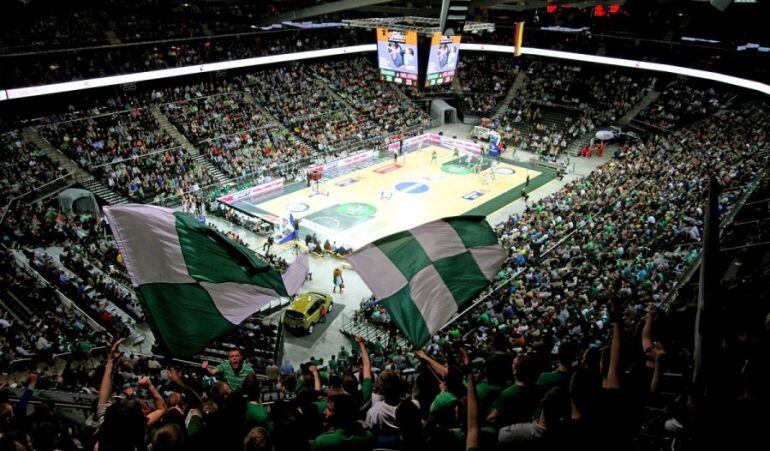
(299,207)
(454,168)
(507,171)
(412,187)
(356,210)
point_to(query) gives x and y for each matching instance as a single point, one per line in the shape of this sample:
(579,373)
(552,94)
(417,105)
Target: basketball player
(494,169)
(434,157)
(479,165)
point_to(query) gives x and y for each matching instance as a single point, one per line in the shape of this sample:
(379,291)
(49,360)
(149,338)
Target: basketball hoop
(316,175)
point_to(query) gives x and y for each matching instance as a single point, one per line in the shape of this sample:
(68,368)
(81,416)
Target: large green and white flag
(194,282)
(423,276)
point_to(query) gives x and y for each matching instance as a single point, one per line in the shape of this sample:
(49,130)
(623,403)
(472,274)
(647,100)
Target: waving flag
(423,276)
(194,282)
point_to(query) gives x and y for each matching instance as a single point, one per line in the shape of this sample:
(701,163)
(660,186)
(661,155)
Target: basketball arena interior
(384,224)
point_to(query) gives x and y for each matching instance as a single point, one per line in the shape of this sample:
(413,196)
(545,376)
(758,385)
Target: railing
(37,189)
(62,298)
(136,157)
(673,294)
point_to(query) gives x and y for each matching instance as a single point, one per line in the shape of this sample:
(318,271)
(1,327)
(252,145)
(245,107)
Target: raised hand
(115,352)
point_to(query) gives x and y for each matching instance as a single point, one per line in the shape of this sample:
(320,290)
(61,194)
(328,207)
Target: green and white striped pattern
(423,276)
(194,282)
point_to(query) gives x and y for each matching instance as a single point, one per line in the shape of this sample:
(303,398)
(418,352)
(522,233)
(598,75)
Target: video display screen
(397,56)
(442,62)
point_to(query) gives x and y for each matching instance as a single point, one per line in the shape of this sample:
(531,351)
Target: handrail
(136,157)
(92,322)
(33,190)
(673,294)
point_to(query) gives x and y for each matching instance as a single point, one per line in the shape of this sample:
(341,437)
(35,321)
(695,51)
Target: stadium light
(658,67)
(32,91)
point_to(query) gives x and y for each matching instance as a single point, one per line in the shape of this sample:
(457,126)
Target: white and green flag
(423,276)
(194,283)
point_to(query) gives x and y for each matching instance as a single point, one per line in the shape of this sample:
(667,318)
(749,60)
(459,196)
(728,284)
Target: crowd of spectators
(485,80)
(680,103)
(34,69)
(546,361)
(131,152)
(37,325)
(235,133)
(305,98)
(23,167)
(592,97)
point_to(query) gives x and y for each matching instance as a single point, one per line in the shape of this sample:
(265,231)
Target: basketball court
(357,207)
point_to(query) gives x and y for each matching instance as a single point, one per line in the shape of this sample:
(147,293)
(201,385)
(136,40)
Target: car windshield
(294,315)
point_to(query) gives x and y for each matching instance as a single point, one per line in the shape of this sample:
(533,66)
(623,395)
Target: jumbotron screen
(397,56)
(442,62)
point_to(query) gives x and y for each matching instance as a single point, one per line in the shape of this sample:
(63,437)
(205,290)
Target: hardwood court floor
(361,206)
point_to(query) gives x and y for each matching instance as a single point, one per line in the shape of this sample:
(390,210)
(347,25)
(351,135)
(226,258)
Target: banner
(347,161)
(253,191)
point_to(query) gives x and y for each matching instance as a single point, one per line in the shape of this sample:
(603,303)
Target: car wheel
(331,306)
(310,329)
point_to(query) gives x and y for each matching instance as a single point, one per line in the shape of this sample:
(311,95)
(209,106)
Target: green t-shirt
(552,379)
(444,399)
(341,439)
(234,380)
(487,394)
(516,404)
(321,405)
(256,414)
(195,425)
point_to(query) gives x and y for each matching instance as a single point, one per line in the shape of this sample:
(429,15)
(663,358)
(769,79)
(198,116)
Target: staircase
(172,130)
(193,151)
(575,146)
(639,107)
(369,332)
(521,77)
(78,174)
(101,191)
(274,120)
(32,135)
(211,169)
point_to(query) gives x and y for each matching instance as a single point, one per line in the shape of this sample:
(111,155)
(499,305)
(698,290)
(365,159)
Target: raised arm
(438,368)
(647,330)
(658,373)
(472,437)
(613,374)
(195,401)
(212,370)
(105,389)
(316,378)
(616,317)
(160,405)
(367,362)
